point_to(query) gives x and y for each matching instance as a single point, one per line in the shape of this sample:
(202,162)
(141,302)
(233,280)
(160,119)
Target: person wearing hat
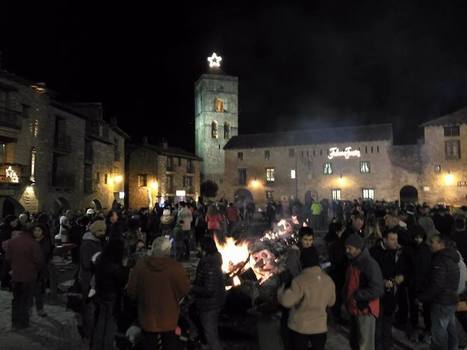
(91,246)
(158,283)
(363,288)
(310,293)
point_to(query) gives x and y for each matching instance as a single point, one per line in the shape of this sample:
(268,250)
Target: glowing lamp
(255,183)
(118,179)
(154,185)
(449,179)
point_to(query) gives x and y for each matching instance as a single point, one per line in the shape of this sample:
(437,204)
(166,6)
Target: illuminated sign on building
(214,61)
(348,152)
(180,193)
(11,174)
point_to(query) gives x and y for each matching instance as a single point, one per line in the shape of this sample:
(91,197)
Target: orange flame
(234,254)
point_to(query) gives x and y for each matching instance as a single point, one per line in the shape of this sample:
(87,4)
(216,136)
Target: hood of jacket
(157,263)
(88,236)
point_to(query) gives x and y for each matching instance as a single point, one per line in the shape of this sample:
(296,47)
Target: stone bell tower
(216,118)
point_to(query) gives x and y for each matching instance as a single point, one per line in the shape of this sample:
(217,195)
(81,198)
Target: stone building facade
(43,147)
(216,121)
(161,174)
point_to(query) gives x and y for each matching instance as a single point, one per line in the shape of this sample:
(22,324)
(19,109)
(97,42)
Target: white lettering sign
(348,152)
(180,193)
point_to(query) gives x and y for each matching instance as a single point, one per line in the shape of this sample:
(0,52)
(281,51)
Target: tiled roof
(363,133)
(172,151)
(457,117)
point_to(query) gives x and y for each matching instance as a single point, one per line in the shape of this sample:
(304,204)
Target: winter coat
(24,255)
(46,249)
(158,284)
(209,287)
(391,263)
(214,221)
(90,246)
(185,214)
(292,261)
(308,297)
(364,285)
(444,278)
(418,266)
(110,280)
(232,214)
(460,237)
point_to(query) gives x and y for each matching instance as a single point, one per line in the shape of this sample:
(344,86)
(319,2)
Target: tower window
(336,194)
(267,154)
(365,167)
(270,175)
(327,168)
(226,130)
(218,105)
(214,131)
(452,149)
(240,155)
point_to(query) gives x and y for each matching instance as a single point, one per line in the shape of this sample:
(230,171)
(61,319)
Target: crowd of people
(389,267)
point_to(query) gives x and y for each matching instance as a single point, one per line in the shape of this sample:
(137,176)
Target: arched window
(226,130)
(218,105)
(214,133)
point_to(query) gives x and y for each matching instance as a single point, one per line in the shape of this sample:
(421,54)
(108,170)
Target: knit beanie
(309,257)
(97,228)
(355,241)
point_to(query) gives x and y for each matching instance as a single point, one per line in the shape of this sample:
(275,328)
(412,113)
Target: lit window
(35,127)
(437,168)
(242,176)
(214,133)
(292,174)
(218,105)
(267,155)
(240,155)
(33,164)
(291,152)
(327,168)
(453,149)
(451,130)
(142,180)
(365,167)
(226,130)
(270,175)
(336,194)
(368,193)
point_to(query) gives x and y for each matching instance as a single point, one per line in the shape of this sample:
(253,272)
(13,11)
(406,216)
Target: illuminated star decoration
(214,61)
(9,172)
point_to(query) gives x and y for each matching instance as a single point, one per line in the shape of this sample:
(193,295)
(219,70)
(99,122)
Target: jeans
(160,341)
(22,300)
(301,341)
(210,323)
(443,327)
(362,332)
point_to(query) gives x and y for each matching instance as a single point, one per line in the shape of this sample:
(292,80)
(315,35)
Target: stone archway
(242,197)
(408,195)
(60,204)
(96,204)
(10,206)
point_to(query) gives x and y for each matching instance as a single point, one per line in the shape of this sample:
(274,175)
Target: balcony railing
(63,143)
(63,180)
(10,118)
(12,173)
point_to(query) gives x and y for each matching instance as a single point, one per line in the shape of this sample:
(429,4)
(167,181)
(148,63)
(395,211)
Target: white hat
(90,211)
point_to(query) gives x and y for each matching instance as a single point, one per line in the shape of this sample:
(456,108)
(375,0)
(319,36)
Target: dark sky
(300,65)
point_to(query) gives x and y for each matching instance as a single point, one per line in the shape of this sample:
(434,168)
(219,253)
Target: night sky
(321,63)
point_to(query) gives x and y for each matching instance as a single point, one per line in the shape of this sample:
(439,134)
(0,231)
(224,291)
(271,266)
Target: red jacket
(25,257)
(232,214)
(214,221)
(363,286)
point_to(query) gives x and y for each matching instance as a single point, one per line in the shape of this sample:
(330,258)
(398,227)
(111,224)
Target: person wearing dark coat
(10,224)
(460,236)
(388,255)
(209,292)
(442,294)
(111,278)
(114,226)
(41,236)
(24,255)
(418,273)
(90,247)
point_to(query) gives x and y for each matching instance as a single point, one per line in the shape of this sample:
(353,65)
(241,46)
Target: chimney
(113,121)
(164,143)
(145,140)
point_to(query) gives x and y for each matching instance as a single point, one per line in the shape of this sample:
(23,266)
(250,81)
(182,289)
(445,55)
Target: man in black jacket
(442,293)
(388,255)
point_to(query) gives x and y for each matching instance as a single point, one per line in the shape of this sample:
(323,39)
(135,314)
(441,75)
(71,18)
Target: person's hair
(212,210)
(441,239)
(309,257)
(392,230)
(357,215)
(459,223)
(305,231)
(338,226)
(182,204)
(111,212)
(418,231)
(114,250)
(160,246)
(209,246)
(133,224)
